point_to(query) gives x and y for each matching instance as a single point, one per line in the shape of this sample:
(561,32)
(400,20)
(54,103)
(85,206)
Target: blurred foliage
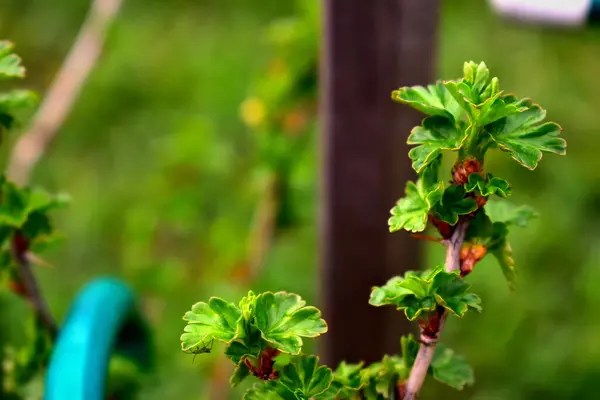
(157,160)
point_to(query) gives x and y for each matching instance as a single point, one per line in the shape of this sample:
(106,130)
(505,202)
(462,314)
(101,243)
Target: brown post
(371,48)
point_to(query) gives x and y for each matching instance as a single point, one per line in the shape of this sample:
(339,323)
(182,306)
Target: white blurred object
(551,12)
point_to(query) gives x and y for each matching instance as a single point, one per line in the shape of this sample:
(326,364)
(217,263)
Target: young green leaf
(240,373)
(283,320)
(491,228)
(10,63)
(453,204)
(305,378)
(216,319)
(498,107)
(13,208)
(433,100)
(346,381)
(379,376)
(416,294)
(390,293)
(525,137)
(236,350)
(455,297)
(270,390)
(411,212)
(434,135)
(510,214)
(492,185)
(450,369)
(12,101)
(503,253)
(410,349)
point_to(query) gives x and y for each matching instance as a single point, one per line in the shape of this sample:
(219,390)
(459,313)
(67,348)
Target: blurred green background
(158,163)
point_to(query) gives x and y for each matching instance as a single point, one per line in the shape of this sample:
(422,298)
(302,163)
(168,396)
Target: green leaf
(410,349)
(510,214)
(475,89)
(13,204)
(216,319)
(411,212)
(503,253)
(491,228)
(346,380)
(38,227)
(236,350)
(434,135)
(10,63)
(450,369)
(433,100)
(453,204)
(493,185)
(429,174)
(480,229)
(461,92)
(498,107)
(455,297)
(270,390)
(12,101)
(417,294)
(283,320)
(525,137)
(305,378)
(377,377)
(240,373)
(391,293)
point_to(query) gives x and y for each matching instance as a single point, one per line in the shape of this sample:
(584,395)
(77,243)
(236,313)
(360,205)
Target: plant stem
(33,293)
(428,343)
(64,90)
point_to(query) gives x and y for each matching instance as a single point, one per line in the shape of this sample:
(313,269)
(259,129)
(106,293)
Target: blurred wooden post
(371,47)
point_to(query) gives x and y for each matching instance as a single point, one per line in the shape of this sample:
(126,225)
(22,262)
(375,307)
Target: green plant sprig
(470,116)
(25,229)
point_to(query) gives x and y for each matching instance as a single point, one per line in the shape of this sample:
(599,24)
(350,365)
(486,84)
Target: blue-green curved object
(102,321)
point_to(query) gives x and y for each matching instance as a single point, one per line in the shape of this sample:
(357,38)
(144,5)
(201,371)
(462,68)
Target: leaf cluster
(420,293)
(255,330)
(472,115)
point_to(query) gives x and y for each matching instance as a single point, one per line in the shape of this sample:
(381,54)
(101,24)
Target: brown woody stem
(429,342)
(28,281)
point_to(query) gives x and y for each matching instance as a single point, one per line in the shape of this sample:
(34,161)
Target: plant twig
(31,289)
(64,90)
(429,343)
(55,107)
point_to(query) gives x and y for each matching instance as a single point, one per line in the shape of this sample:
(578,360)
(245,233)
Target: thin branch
(52,112)
(31,289)
(429,343)
(63,92)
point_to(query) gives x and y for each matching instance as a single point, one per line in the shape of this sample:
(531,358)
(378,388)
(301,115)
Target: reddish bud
(401,390)
(469,256)
(17,288)
(461,172)
(265,368)
(430,325)
(444,228)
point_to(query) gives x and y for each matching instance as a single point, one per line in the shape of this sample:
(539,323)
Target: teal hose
(102,321)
